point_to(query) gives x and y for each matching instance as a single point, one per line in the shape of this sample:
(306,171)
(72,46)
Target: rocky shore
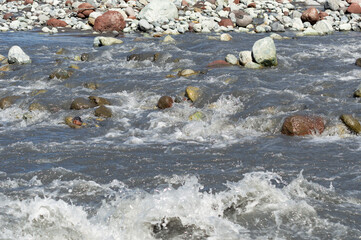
(158,17)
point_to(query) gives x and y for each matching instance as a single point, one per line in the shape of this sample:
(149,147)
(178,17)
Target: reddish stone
(225,22)
(218,63)
(165,102)
(354,8)
(85,9)
(109,21)
(236,1)
(53,22)
(302,125)
(322,15)
(310,15)
(252,5)
(185,3)
(228,9)
(26,2)
(286,13)
(353,1)
(68,3)
(8,16)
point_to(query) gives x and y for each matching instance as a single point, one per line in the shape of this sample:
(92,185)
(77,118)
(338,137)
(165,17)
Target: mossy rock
(99,100)
(352,123)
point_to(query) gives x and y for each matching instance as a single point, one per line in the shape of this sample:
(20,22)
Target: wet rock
(93,86)
(302,125)
(310,15)
(230,58)
(358,62)
(37,107)
(5,68)
(8,101)
(73,66)
(106,41)
(110,21)
(61,51)
(61,74)
(3,59)
(84,57)
(18,56)
(99,101)
(225,37)
(351,122)
(143,57)
(84,10)
(159,9)
(245,57)
(37,92)
(82,103)
(193,93)
(103,111)
(197,116)
(53,22)
(253,65)
(168,39)
(218,63)
(70,122)
(165,102)
(187,73)
(264,52)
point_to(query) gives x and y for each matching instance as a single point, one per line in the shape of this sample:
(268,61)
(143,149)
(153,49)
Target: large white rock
(158,9)
(345,27)
(323,27)
(264,52)
(17,55)
(245,57)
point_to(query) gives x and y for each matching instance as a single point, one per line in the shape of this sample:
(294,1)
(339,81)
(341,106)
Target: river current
(147,173)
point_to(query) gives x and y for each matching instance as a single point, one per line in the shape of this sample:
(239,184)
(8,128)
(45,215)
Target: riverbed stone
(110,21)
(225,37)
(159,9)
(187,72)
(354,8)
(323,27)
(84,10)
(82,103)
(218,64)
(143,57)
(193,93)
(6,102)
(103,112)
(310,15)
(245,57)
(299,125)
(61,74)
(345,27)
(352,123)
(53,22)
(69,121)
(99,100)
(264,52)
(37,107)
(358,62)
(17,56)
(334,5)
(105,41)
(165,102)
(197,116)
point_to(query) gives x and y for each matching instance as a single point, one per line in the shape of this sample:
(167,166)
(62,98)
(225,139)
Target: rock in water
(165,102)
(103,111)
(158,9)
(358,62)
(351,122)
(82,103)
(302,125)
(8,101)
(193,93)
(17,55)
(99,100)
(245,57)
(106,41)
(264,52)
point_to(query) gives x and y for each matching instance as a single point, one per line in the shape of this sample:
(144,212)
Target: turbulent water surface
(155,174)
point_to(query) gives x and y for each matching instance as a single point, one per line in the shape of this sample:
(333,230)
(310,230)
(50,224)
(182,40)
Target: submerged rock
(197,116)
(264,52)
(103,111)
(82,103)
(73,122)
(302,125)
(143,57)
(218,63)
(105,41)
(6,102)
(18,56)
(225,37)
(165,102)
(91,85)
(358,62)
(110,21)
(357,93)
(37,107)
(352,123)
(61,74)
(99,100)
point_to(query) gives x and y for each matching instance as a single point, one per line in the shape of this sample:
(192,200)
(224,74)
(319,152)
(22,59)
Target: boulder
(159,9)
(17,55)
(53,22)
(245,57)
(351,122)
(323,27)
(225,22)
(143,57)
(105,41)
(84,10)
(230,58)
(61,74)
(82,103)
(99,100)
(103,111)
(302,125)
(193,93)
(109,21)
(264,52)
(6,102)
(311,15)
(165,102)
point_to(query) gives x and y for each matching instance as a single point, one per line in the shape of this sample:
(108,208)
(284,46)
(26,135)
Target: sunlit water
(154,174)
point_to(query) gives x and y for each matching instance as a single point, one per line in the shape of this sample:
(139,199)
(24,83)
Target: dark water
(151,174)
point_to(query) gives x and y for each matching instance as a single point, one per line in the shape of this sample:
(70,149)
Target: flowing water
(155,174)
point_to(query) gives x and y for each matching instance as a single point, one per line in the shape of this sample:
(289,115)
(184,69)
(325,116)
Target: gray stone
(144,25)
(334,5)
(230,58)
(158,9)
(277,27)
(245,57)
(17,55)
(323,27)
(264,52)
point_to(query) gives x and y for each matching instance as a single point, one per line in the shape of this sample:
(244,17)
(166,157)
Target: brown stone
(165,102)
(53,22)
(82,103)
(322,15)
(354,8)
(310,15)
(103,111)
(68,3)
(358,62)
(26,2)
(109,21)
(8,16)
(61,74)
(8,101)
(218,63)
(85,9)
(225,22)
(352,123)
(252,5)
(236,1)
(302,125)
(99,100)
